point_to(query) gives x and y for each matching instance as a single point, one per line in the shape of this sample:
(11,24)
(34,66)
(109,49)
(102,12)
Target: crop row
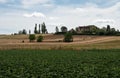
(59,64)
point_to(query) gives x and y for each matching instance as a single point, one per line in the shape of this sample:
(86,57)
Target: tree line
(38,29)
(89,30)
(83,30)
(42,29)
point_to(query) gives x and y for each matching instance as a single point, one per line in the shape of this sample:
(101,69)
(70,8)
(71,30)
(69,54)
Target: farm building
(83,29)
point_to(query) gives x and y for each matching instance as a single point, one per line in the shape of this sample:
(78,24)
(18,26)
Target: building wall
(81,29)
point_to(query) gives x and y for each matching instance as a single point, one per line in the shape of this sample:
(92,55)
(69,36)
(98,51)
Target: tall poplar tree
(39,29)
(35,30)
(43,28)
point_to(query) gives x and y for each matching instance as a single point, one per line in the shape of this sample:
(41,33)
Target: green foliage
(100,32)
(40,39)
(94,30)
(43,28)
(68,37)
(35,30)
(39,31)
(32,37)
(56,29)
(29,31)
(22,32)
(63,29)
(108,28)
(60,64)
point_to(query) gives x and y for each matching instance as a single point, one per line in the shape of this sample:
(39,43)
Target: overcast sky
(23,14)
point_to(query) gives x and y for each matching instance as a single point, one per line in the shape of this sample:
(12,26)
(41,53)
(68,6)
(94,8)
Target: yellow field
(54,42)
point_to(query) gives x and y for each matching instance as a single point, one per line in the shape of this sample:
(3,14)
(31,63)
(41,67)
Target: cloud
(35,14)
(53,18)
(111,21)
(27,3)
(68,15)
(90,14)
(104,22)
(3,1)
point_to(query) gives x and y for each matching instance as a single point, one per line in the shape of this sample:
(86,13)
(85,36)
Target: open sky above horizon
(16,15)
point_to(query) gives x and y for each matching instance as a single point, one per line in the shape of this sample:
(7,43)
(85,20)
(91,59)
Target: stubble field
(52,42)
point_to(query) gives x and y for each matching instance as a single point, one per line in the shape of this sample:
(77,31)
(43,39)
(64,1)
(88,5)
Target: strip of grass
(60,64)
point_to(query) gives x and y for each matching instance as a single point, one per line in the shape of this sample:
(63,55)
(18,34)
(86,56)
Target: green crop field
(60,64)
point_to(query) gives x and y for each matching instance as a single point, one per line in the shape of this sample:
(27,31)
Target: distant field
(60,63)
(54,42)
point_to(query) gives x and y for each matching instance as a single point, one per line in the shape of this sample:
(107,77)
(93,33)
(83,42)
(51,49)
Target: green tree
(35,30)
(29,31)
(104,29)
(108,28)
(24,31)
(101,32)
(113,31)
(43,28)
(20,32)
(68,37)
(94,30)
(63,29)
(39,29)
(32,37)
(57,29)
(40,38)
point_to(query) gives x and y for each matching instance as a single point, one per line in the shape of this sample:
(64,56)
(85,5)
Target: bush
(68,37)
(32,37)
(40,39)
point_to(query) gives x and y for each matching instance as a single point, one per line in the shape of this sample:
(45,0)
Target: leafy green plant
(60,63)
(68,37)
(40,39)
(32,37)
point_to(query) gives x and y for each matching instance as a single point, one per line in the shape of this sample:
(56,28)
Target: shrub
(32,37)
(40,39)
(23,41)
(68,37)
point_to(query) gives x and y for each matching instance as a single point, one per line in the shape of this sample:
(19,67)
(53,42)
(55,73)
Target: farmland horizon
(50,29)
(37,39)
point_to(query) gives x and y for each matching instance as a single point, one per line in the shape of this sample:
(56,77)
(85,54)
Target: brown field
(55,42)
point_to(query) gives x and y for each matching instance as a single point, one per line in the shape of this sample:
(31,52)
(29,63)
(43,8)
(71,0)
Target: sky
(16,15)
